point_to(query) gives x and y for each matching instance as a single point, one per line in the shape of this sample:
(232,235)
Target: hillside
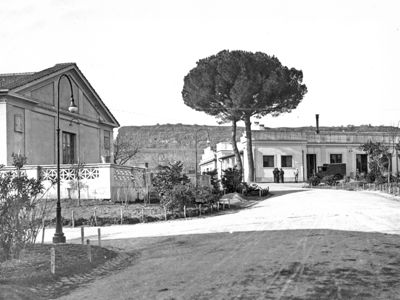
(172,142)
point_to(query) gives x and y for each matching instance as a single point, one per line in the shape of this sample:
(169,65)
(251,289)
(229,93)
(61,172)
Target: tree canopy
(238,85)
(232,84)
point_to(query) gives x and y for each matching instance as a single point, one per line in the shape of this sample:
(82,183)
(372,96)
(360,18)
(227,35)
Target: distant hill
(172,142)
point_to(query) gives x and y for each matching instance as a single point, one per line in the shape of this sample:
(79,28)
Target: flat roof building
(303,149)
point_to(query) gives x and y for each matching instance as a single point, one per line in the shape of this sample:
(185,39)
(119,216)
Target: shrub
(206,195)
(181,195)
(370,178)
(314,180)
(214,180)
(329,180)
(231,179)
(20,216)
(165,182)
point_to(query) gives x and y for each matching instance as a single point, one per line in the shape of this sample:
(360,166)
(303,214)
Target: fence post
(184,211)
(89,250)
(82,235)
(122,215)
(53,260)
(165,213)
(72,219)
(142,215)
(43,230)
(200,209)
(99,236)
(95,217)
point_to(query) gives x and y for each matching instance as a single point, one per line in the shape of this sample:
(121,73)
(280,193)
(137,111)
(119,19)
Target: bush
(370,178)
(231,180)
(181,195)
(20,217)
(206,195)
(329,180)
(214,180)
(314,180)
(171,185)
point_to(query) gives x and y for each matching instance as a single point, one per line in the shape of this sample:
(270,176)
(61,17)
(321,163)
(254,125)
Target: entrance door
(311,164)
(362,163)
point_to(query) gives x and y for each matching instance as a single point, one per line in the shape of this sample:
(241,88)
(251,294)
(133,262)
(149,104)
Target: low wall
(90,181)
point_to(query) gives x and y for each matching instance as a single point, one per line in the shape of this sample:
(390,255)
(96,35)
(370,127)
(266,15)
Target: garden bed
(104,213)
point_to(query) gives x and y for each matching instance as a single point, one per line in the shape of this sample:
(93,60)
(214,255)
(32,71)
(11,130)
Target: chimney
(317,120)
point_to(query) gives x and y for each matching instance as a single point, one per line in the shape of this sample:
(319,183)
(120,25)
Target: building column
(3,132)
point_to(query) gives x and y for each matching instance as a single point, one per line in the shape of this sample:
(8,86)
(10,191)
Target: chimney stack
(317,120)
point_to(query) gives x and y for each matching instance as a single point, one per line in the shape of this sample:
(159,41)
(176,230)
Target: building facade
(28,115)
(28,126)
(303,150)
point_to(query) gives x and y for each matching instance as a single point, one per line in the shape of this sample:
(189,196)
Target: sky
(136,53)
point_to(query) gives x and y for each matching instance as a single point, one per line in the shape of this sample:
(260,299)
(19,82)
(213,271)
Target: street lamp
(59,235)
(195,145)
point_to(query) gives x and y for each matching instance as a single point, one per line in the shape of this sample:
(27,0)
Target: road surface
(254,254)
(289,207)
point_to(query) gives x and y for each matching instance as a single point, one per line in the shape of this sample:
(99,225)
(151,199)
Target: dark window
(107,140)
(387,162)
(362,163)
(68,147)
(286,161)
(336,158)
(268,161)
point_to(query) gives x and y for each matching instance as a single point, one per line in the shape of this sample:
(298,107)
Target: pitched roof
(12,81)
(15,80)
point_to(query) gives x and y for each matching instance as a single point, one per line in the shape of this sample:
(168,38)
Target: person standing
(296,175)
(276,175)
(281,175)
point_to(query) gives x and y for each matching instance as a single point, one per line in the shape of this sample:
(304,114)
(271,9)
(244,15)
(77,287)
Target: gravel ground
(290,207)
(289,264)
(297,244)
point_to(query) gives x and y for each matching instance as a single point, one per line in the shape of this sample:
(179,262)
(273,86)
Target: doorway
(362,163)
(311,164)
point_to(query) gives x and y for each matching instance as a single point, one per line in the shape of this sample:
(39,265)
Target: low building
(304,150)
(29,103)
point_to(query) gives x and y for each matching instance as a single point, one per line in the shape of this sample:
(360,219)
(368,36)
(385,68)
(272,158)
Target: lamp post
(59,235)
(195,145)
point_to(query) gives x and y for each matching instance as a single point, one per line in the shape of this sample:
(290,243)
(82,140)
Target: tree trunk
(236,150)
(249,146)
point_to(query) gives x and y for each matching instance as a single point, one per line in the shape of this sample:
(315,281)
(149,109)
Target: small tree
(77,184)
(19,219)
(166,179)
(214,180)
(231,179)
(379,159)
(124,150)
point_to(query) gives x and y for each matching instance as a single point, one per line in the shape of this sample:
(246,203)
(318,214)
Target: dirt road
(290,207)
(259,253)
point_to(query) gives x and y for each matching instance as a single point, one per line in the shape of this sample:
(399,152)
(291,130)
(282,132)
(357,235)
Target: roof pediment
(42,85)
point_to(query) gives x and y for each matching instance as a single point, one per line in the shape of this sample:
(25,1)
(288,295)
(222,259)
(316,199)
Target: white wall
(277,149)
(3,133)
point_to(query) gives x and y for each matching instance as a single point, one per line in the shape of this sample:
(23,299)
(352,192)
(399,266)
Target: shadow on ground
(288,264)
(282,193)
